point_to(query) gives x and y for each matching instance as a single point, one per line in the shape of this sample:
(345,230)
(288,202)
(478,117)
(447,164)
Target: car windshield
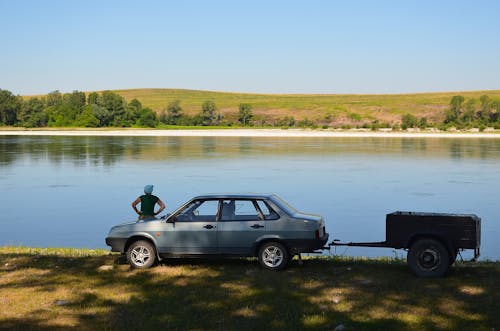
(284,205)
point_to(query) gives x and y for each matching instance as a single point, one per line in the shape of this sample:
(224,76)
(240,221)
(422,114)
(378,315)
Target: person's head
(148,189)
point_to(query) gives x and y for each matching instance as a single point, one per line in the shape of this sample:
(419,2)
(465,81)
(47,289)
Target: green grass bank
(78,289)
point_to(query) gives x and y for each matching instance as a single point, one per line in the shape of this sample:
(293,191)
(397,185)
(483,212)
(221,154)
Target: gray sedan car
(261,225)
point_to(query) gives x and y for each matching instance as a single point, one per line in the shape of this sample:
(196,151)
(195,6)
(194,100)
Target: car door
(193,230)
(240,225)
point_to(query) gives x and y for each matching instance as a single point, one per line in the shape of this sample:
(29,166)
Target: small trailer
(433,240)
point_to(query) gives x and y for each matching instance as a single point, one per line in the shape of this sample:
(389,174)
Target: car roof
(235,196)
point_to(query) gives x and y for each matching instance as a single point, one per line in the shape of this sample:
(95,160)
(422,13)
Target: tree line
(74,109)
(109,109)
(461,114)
(105,109)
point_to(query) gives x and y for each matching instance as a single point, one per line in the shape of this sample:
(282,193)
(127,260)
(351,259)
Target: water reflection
(78,150)
(106,151)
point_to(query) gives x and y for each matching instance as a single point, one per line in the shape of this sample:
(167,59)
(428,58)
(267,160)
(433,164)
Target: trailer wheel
(428,258)
(453,257)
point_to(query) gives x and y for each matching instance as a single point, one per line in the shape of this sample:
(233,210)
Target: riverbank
(249,133)
(61,289)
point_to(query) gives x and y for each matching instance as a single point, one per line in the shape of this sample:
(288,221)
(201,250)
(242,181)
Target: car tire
(428,258)
(273,256)
(141,254)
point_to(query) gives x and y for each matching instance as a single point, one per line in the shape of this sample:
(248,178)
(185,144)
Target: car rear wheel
(428,258)
(141,254)
(273,256)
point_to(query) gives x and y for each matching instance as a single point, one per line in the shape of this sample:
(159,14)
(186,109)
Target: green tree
(61,116)
(94,99)
(208,112)
(132,112)
(10,105)
(245,113)
(87,118)
(488,110)
(147,118)
(54,98)
(218,118)
(495,112)
(453,113)
(102,114)
(195,120)
(116,105)
(173,112)
(135,104)
(484,108)
(422,124)
(75,100)
(32,113)
(467,116)
(409,121)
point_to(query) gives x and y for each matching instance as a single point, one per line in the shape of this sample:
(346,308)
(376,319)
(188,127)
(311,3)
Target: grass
(383,107)
(52,289)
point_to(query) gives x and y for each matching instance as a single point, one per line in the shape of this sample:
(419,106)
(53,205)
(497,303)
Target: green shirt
(148,202)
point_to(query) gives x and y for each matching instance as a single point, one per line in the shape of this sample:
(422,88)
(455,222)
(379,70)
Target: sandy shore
(249,133)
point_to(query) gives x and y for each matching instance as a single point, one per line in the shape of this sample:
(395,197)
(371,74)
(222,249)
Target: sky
(250,46)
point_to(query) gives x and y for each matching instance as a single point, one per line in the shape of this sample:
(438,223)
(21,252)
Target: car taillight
(320,233)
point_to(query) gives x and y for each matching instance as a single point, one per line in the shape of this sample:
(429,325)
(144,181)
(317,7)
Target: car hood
(123,224)
(126,226)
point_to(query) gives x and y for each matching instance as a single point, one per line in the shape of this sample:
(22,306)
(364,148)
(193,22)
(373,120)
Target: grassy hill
(339,107)
(78,289)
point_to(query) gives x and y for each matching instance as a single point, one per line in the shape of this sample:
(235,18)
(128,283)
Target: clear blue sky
(250,46)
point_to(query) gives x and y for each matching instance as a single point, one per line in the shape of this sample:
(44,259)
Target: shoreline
(291,133)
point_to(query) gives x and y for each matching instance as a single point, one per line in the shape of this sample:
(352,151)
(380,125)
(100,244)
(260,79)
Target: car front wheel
(273,256)
(141,254)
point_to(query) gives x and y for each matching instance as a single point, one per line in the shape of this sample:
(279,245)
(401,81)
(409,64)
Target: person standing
(148,202)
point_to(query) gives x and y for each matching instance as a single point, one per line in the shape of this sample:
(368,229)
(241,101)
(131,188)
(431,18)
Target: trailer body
(433,240)
(455,231)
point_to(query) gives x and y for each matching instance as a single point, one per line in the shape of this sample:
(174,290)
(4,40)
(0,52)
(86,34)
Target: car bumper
(306,245)
(117,244)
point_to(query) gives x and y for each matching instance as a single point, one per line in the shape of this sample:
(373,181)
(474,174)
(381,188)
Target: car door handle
(208,226)
(256,226)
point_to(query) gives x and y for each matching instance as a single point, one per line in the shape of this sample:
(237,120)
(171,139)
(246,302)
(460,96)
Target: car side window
(238,210)
(199,211)
(267,211)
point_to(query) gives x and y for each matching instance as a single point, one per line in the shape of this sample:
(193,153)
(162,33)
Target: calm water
(68,191)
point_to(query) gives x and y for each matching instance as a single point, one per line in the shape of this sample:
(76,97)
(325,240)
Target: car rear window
(284,205)
(267,211)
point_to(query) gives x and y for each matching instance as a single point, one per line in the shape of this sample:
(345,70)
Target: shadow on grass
(236,294)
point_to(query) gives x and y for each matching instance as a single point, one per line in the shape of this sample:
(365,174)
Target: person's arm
(162,206)
(134,205)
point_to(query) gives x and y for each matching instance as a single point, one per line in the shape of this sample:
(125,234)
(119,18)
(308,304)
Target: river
(63,191)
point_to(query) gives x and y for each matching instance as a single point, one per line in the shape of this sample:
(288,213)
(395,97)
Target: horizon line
(257,93)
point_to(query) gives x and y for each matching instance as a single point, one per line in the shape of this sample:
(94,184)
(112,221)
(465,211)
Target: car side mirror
(171,219)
